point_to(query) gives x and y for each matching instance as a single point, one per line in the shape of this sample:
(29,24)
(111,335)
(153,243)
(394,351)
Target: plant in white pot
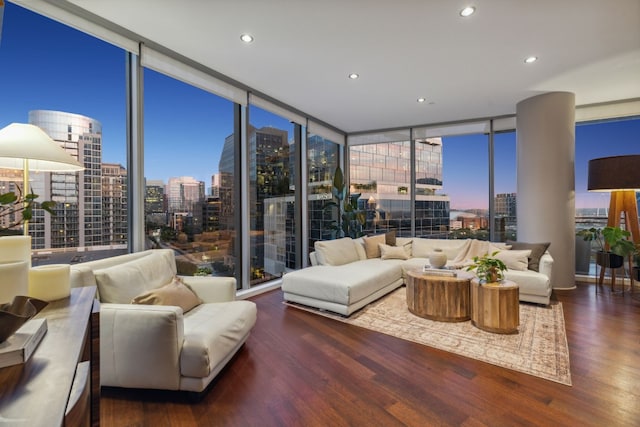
(490,270)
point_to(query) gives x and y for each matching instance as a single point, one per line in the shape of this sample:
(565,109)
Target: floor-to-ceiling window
(272,206)
(465,180)
(381,174)
(505,185)
(190,175)
(595,140)
(322,160)
(71,85)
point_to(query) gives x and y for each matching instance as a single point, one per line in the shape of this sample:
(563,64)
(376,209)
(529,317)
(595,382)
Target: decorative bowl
(15,314)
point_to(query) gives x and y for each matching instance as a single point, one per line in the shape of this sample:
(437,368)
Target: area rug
(539,348)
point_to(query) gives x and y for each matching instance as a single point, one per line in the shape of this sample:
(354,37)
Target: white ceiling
(403,49)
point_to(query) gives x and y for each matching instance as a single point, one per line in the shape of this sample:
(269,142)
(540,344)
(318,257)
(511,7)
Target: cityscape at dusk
(197,123)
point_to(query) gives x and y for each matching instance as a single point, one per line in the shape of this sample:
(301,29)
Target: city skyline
(70,71)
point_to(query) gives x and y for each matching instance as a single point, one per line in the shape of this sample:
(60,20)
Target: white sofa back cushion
(423,247)
(336,252)
(122,283)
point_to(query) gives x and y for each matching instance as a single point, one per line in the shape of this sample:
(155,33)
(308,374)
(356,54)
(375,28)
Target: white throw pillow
(515,260)
(122,283)
(393,252)
(372,245)
(336,252)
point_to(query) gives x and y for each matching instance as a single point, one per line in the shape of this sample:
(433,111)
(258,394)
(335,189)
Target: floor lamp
(619,175)
(27,147)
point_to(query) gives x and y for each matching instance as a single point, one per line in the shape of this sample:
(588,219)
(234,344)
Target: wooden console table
(441,298)
(60,384)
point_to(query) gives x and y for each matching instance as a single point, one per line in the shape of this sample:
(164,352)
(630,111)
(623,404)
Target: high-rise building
(505,215)
(114,204)
(78,195)
(270,178)
(381,174)
(215,185)
(183,193)
(155,203)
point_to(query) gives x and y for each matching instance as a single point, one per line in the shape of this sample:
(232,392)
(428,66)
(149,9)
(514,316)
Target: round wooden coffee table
(441,298)
(495,308)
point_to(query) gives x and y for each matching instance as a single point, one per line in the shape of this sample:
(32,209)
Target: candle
(49,282)
(15,248)
(14,279)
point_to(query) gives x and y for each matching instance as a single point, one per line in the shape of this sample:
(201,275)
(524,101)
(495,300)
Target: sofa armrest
(140,345)
(546,264)
(212,289)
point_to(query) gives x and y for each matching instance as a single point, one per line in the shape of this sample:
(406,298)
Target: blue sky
(46,65)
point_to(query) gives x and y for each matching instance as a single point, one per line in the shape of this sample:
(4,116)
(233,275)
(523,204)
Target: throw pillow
(514,260)
(537,250)
(119,284)
(174,293)
(390,238)
(371,245)
(336,252)
(393,252)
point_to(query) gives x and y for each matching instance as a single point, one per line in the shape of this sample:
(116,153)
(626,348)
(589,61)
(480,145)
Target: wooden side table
(495,308)
(441,298)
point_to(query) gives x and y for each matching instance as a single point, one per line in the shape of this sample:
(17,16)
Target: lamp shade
(614,173)
(20,141)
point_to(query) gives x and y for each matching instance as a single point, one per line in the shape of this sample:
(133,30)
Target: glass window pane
(505,186)
(322,161)
(465,171)
(190,175)
(271,192)
(85,116)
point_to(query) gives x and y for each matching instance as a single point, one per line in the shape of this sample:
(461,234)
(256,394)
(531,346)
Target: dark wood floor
(300,369)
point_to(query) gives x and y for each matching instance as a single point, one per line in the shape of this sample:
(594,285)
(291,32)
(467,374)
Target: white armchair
(159,346)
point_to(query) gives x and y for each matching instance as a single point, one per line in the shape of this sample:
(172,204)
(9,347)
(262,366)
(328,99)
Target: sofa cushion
(514,260)
(393,252)
(537,250)
(372,245)
(175,293)
(345,284)
(423,247)
(211,331)
(530,282)
(122,283)
(390,238)
(336,252)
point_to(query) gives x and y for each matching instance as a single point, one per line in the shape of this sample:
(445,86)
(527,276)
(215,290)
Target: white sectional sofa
(162,346)
(347,274)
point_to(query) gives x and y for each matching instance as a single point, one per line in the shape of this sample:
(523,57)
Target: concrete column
(545,131)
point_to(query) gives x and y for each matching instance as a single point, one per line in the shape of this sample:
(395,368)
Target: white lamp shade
(20,141)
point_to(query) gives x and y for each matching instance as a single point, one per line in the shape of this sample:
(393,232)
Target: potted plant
(18,208)
(490,270)
(615,239)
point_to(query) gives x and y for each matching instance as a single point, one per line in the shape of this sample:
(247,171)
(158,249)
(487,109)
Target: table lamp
(27,147)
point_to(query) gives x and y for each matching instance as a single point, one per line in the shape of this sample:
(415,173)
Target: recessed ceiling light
(467,11)
(247,38)
(421,100)
(353,76)
(530,59)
